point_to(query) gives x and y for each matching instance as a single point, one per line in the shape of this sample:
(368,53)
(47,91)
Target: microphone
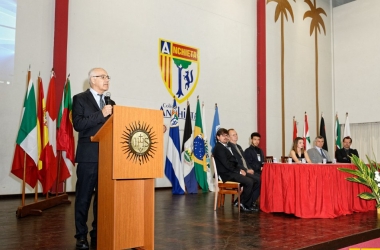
(107,98)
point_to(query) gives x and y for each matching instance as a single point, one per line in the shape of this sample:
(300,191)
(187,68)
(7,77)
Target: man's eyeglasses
(104,77)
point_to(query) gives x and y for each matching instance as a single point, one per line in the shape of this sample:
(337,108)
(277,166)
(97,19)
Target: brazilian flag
(199,155)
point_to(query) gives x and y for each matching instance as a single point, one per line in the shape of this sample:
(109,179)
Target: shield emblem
(179,65)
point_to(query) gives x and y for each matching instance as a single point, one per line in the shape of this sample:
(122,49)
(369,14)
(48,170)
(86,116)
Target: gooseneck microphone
(107,98)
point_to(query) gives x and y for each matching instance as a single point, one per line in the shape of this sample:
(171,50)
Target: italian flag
(65,135)
(26,151)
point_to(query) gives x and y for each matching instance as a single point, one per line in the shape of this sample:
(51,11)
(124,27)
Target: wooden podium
(130,157)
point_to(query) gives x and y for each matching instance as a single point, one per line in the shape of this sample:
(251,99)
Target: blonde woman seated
(298,153)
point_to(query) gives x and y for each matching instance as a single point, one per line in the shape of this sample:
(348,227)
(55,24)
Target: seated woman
(298,153)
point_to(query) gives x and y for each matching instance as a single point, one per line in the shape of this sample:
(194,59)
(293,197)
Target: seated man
(317,154)
(229,170)
(254,155)
(238,152)
(343,154)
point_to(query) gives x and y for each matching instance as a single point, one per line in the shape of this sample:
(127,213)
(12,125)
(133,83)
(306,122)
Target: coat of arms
(179,66)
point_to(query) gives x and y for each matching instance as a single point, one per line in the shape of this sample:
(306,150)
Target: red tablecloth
(311,190)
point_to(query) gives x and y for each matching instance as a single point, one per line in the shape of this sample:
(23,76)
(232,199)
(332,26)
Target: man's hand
(243,173)
(107,110)
(250,171)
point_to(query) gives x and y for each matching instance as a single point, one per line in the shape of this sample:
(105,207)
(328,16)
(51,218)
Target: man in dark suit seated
(343,154)
(254,155)
(243,163)
(90,112)
(229,170)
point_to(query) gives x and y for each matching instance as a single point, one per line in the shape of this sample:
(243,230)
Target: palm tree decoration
(283,6)
(316,23)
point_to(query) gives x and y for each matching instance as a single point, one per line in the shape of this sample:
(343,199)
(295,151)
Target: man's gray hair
(90,75)
(319,137)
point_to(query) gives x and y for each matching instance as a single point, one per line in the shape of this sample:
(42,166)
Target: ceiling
(336,3)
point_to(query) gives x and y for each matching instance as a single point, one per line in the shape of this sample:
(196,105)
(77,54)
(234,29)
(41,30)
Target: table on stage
(311,190)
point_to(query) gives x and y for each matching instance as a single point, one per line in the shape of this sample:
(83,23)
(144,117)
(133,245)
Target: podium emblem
(139,141)
(179,65)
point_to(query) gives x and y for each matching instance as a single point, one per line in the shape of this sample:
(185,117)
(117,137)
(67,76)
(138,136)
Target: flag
(322,132)
(347,127)
(173,166)
(338,144)
(306,136)
(48,174)
(199,151)
(215,128)
(65,134)
(295,132)
(26,150)
(42,132)
(210,180)
(187,155)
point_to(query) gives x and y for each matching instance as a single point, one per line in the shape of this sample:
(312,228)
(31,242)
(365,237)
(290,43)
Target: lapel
(90,99)
(225,148)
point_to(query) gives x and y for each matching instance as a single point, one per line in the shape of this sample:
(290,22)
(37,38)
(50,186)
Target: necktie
(242,158)
(101,101)
(323,155)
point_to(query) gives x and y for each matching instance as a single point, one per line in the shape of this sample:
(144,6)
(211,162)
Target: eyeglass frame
(104,77)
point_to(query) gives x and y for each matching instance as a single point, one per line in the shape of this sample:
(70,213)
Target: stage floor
(189,222)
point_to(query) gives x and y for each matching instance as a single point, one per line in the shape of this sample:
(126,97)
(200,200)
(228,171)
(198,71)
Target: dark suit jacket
(250,155)
(341,155)
(87,120)
(237,155)
(225,161)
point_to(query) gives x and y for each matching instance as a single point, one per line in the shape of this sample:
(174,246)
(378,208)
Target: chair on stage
(223,188)
(284,159)
(269,159)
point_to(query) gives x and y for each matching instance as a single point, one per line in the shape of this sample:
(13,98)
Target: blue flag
(215,128)
(173,165)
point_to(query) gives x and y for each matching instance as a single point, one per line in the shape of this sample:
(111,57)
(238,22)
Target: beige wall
(299,75)
(356,60)
(122,37)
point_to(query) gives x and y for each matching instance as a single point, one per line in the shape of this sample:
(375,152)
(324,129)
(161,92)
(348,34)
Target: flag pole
(58,171)
(24,172)
(335,132)
(36,187)
(23,182)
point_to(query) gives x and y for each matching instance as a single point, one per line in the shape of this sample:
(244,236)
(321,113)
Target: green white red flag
(26,151)
(65,134)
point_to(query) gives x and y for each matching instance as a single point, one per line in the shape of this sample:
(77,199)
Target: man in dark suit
(229,170)
(238,152)
(343,154)
(90,112)
(254,155)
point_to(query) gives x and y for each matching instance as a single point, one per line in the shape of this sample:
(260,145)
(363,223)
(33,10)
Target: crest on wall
(179,67)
